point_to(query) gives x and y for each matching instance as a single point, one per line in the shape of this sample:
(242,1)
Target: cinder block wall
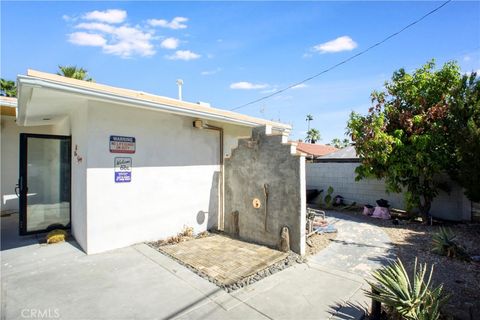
(341,176)
(266,160)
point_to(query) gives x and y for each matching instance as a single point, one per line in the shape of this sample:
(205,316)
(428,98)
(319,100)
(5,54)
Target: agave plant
(444,244)
(406,299)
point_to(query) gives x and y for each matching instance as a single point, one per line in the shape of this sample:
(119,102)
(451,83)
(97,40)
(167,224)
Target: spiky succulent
(445,244)
(414,300)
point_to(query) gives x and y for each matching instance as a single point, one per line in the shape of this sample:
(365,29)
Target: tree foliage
(339,144)
(308,119)
(74,72)
(8,88)
(313,135)
(407,136)
(464,128)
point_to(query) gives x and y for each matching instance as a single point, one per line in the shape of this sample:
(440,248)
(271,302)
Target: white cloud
(210,72)
(244,85)
(128,41)
(176,23)
(86,39)
(124,41)
(109,16)
(170,43)
(300,86)
(344,43)
(467,58)
(108,30)
(183,55)
(96,26)
(66,17)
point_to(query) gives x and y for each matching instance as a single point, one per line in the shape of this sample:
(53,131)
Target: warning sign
(119,144)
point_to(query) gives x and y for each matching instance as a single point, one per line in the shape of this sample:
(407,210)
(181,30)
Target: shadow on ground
(348,311)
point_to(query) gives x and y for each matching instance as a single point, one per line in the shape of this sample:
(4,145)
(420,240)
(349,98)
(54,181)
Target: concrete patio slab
(225,259)
(139,282)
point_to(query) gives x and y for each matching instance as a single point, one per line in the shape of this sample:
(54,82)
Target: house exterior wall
(79,130)
(261,161)
(10,145)
(341,176)
(175,176)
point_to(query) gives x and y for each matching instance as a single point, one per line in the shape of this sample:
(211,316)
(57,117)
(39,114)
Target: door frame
(23,182)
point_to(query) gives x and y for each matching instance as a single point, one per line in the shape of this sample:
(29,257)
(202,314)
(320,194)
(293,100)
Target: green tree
(8,88)
(337,143)
(74,72)
(464,134)
(313,135)
(309,118)
(404,138)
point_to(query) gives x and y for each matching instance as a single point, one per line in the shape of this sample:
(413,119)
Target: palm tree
(313,135)
(337,143)
(309,118)
(8,88)
(74,72)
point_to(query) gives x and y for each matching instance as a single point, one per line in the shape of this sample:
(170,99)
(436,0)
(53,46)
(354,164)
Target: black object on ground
(383,203)
(338,200)
(312,194)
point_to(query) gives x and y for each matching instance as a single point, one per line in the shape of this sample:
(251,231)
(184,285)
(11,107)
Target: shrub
(404,299)
(444,244)
(328,197)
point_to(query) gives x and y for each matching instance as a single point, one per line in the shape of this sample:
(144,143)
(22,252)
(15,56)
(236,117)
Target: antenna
(179,84)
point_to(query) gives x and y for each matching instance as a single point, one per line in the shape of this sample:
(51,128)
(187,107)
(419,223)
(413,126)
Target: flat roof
(345,153)
(176,105)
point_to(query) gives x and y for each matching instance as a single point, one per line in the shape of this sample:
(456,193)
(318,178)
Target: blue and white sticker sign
(120,144)
(123,169)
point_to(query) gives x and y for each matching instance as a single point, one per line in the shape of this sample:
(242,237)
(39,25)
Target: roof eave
(28,81)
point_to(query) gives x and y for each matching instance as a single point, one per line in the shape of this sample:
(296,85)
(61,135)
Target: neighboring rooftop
(315,150)
(347,153)
(8,106)
(53,81)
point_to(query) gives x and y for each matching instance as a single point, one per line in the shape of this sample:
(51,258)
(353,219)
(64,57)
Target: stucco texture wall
(341,176)
(175,176)
(259,162)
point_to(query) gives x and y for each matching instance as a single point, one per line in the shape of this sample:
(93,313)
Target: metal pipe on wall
(201,125)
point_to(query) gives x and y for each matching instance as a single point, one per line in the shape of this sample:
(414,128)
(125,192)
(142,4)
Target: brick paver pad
(223,258)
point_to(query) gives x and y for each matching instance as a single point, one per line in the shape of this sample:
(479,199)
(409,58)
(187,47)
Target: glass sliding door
(44,183)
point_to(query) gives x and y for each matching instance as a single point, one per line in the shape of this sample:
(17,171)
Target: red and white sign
(119,144)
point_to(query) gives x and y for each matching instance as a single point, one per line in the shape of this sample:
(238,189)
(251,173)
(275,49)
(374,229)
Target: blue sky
(230,53)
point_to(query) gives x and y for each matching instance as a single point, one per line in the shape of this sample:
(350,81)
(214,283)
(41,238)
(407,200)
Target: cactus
(328,197)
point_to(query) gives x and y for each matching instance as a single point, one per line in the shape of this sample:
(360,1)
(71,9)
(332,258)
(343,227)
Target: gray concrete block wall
(258,161)
(341,176)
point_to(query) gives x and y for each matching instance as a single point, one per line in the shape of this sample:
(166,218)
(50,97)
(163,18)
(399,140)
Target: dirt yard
(461,279)
(318,242)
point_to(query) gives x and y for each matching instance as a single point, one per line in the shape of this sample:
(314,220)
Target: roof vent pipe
(179,84)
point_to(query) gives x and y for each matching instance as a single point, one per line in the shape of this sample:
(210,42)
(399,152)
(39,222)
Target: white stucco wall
(174,176)
(341,176)
(10,143)
(79,129)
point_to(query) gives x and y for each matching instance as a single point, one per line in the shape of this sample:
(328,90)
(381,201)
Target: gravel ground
(319,242)
(461,279)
